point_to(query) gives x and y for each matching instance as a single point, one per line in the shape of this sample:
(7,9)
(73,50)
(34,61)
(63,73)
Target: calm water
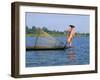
(78,55)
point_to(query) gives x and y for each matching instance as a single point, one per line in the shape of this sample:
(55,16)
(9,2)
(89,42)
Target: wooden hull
(30,48)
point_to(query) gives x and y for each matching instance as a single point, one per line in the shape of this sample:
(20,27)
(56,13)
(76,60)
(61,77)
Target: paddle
(65,44)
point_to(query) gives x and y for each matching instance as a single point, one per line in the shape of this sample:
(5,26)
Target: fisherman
(70,35)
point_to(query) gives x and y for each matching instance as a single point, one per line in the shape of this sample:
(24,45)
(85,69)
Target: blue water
(78,55)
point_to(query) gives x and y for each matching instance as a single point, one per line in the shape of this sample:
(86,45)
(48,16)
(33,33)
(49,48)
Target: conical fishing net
(45,40)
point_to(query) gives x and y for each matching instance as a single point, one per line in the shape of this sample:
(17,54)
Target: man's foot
(67,46)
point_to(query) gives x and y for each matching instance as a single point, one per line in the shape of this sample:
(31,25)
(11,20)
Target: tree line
(34,29)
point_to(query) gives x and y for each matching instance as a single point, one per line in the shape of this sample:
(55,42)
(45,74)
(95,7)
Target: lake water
(78,55)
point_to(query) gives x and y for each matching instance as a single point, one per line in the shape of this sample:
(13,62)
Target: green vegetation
(34,32)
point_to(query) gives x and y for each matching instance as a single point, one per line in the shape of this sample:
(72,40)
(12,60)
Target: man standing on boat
(70,35)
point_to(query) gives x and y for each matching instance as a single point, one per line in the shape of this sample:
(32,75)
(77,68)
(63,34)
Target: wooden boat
(29,48)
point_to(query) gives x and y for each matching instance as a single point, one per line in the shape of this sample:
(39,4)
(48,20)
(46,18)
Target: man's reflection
(71,55)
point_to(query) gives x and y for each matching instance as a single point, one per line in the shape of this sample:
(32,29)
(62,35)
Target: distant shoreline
(58,34)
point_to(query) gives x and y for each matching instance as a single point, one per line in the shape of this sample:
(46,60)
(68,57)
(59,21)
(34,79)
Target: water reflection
(71,55)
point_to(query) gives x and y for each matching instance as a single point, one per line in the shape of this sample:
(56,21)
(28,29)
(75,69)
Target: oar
(65,44)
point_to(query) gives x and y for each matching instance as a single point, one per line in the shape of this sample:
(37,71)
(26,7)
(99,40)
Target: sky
(59,22)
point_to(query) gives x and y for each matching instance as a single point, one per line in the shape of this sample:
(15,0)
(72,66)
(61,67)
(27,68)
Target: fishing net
(45,40)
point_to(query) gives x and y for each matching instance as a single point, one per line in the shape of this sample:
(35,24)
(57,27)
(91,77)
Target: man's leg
(70,42)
